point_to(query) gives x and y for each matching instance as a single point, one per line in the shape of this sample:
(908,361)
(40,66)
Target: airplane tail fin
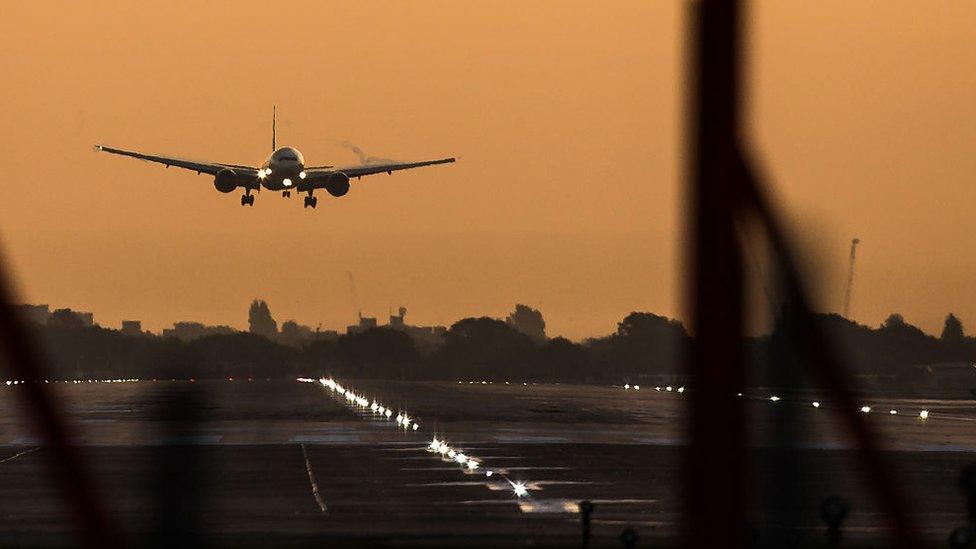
(274,120)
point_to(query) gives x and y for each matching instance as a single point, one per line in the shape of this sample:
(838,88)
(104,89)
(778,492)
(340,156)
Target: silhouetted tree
(294,334)
(240,354)
(485,348)
(529,321)
(65,318)
(897,346)
(894,320)
(260,321)
(378,352)
(561,359)
(645,343)
(952,330)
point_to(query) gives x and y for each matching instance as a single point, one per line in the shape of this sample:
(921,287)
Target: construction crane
(850,277)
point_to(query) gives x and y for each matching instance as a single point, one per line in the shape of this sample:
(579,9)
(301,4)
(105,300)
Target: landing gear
(286,194)
(311,201)
(247,200)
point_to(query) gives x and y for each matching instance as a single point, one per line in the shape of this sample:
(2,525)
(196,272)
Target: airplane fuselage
(283,170)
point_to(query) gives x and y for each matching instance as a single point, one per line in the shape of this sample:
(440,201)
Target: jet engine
(337,184)
(226,181)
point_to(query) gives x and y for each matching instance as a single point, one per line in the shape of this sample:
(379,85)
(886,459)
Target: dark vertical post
(64,458)
(715,451)
(586,509)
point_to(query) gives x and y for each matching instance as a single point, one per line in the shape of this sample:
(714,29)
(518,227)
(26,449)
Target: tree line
(644,346)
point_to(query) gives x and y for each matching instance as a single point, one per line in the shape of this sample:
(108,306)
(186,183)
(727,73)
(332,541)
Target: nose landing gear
(311,201)
(247,200)
(286,194)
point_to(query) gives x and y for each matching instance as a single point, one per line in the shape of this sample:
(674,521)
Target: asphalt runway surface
(282,463)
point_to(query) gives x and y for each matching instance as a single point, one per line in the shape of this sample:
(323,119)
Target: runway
(285,463)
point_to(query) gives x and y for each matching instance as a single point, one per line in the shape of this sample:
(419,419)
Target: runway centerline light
(816,404)
(519,489)
(924,414)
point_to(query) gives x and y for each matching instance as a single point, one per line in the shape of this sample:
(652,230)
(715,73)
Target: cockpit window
(291,158)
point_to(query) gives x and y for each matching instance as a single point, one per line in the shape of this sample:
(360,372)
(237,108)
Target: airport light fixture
(519,489)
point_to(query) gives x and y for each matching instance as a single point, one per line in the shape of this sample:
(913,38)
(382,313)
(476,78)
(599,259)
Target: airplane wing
(317,178)
(200,167)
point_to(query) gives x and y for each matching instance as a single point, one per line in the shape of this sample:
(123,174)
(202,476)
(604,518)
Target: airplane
(284,171)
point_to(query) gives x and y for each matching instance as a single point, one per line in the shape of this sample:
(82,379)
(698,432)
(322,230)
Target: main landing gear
(247,200)
(286,194)
(311,201)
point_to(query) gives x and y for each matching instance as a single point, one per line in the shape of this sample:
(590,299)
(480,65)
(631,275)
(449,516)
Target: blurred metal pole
(725,186)
(823,361)
(715,461)
(24,361)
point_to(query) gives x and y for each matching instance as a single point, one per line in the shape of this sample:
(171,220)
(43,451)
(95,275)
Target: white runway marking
(311,480)
(17,455)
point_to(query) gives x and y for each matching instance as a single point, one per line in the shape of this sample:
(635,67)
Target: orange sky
(567,120)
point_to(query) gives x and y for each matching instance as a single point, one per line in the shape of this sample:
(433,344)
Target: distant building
(87,319)
(188,331)
(325,335)
(38,314)
(397,321)
(73,319)
(132,327)
(365,323)
(426,338)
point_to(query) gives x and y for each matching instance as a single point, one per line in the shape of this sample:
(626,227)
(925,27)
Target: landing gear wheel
(315,201)
(308,201)
(286,194)
(311,201)
(247,200)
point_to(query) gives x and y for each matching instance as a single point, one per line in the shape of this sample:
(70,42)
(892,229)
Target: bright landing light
(519,489)
(286,182)
(302,175)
